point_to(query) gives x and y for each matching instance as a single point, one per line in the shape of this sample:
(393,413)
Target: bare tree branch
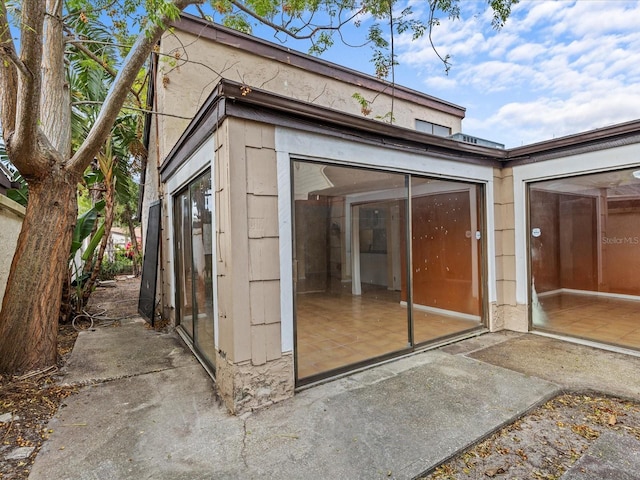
(202,14)
(30,80)
(432,22)
(291,33)
(135,109)
(119,91)
(9,63)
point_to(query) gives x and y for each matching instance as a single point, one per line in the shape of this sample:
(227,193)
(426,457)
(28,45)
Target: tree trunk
(134,241)
(29,315)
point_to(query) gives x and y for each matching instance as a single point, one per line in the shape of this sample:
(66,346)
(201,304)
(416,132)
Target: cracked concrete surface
(148,410)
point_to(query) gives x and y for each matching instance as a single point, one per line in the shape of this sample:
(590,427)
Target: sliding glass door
(446,244)
(192,216)
(363,291)
(347,266)
(584,256)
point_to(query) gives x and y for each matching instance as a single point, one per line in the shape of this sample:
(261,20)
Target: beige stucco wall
(506,313)
(11,215)
(190,67)
(251,369)
(152,179)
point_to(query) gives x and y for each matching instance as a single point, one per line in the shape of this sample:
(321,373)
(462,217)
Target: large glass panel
(182,247)
(585,256)
(347,261)
(446,244)
(192,211)
(201,214)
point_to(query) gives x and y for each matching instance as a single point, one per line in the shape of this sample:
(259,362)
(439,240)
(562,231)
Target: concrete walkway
(147,410)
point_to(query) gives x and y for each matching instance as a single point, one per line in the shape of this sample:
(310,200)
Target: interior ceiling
(619,183)
(333,180)
(353,180)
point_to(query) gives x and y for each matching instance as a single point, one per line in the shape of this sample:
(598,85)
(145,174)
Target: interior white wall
(294,144)
(202,159)
(583,163)
(353,244)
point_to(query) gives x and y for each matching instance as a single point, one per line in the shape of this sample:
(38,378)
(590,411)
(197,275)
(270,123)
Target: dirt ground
(546,442)
(541,445)
(29,401)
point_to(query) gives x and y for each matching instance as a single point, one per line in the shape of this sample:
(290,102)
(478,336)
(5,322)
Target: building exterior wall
(506,311)
(250,166)
(190,67)
(11,215)
(251,369)
(151,188)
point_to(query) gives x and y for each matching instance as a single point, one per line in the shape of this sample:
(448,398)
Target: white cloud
(545,118)
(439,82)
(556,68)
(527,52)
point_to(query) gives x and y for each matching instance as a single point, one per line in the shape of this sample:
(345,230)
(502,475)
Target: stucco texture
(11,215)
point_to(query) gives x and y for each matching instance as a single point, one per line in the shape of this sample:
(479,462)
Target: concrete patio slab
(611,457)
(132,348)
(572,366)
(162,421)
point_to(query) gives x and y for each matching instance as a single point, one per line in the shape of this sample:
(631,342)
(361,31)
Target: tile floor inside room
(335,330)
(601,319)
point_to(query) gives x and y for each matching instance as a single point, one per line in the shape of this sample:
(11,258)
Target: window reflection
(351,256)
(194,272)
(585,255)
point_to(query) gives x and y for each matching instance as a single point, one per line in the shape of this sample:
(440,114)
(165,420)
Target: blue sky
(556,68)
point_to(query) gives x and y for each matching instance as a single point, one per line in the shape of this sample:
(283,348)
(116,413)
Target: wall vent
(463,137)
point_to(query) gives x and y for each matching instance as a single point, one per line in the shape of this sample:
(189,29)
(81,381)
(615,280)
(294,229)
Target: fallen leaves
(585,431)
(28,402)
(544,443)
(496,471)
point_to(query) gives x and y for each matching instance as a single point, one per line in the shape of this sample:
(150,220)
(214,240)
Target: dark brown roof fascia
(236,92)
(234,99)
(197,132)
(593,140)
(227,36)
(308,124)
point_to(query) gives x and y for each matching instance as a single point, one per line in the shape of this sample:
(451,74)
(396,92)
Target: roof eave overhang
(593,140)
(233,99)
(230,37)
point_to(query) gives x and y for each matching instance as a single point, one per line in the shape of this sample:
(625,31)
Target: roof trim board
(233,38)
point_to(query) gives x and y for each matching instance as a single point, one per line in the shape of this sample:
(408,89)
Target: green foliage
(84,227)
(19,195)
(365,105)
(501,11)
(120,265)
(93,244)
(323,42)
(387,117)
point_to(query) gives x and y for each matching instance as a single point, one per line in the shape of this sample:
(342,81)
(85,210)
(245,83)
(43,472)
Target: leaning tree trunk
(31,304)
(134,241)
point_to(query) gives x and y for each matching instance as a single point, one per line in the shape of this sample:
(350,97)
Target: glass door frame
(481,199)
(179,233)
